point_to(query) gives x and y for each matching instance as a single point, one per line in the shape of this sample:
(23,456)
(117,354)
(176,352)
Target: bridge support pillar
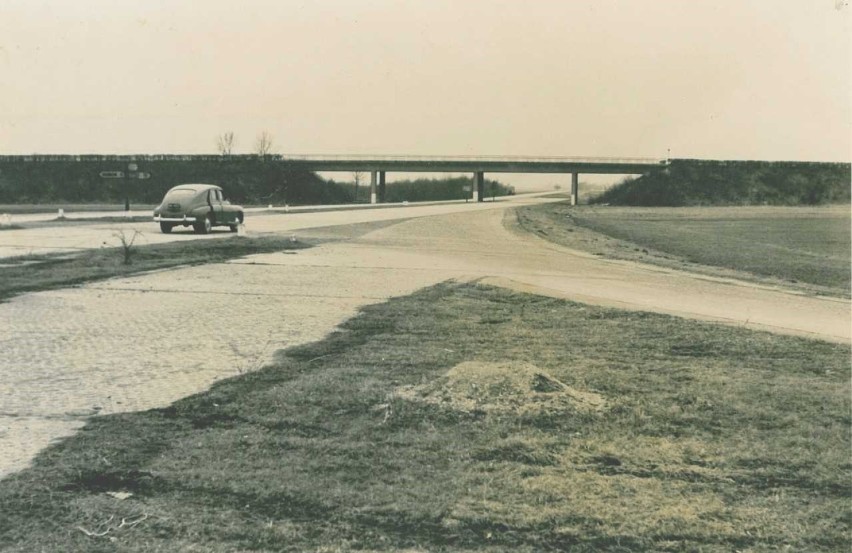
(575,188)
(381,187)
(372,187)
(478,186)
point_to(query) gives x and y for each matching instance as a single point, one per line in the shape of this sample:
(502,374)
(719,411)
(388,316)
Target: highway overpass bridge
(378,166)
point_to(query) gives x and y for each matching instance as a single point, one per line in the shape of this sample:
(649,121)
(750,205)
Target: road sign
(132,173)
(121,174)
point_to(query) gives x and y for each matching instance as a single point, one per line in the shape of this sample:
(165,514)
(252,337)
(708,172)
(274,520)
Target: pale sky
(734,79)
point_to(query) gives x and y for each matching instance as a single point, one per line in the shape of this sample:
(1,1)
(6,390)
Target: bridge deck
(490,164)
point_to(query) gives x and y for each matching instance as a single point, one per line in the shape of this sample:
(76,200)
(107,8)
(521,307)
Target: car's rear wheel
(204,226)
(166,228)
(239,222)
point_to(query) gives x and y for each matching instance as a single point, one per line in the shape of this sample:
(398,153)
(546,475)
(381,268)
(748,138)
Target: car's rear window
(180,193)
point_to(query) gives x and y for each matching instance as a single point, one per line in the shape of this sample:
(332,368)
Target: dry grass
(507,388)
(408,430)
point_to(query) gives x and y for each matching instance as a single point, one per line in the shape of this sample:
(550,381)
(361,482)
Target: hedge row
(703,182)
(252,181)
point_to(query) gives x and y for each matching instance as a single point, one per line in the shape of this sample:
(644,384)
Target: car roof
(198,187)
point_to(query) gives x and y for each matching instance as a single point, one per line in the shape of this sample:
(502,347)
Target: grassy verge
(797,247)
(72,221)
(104,220)
(469,418)
(69,207)
(46,272)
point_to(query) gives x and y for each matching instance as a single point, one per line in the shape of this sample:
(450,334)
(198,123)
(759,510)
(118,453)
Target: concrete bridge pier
(381,187)
(575,188)
(372,187)
(478,186)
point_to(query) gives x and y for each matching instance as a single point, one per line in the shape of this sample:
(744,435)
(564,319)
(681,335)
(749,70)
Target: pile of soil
(504,388)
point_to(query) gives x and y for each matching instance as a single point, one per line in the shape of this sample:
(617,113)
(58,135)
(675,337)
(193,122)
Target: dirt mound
(519,388)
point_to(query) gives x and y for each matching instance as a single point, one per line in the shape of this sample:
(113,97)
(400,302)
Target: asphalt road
(144,341)
(44,234)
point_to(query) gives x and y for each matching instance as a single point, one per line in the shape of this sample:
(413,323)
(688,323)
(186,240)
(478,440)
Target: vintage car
(201,205)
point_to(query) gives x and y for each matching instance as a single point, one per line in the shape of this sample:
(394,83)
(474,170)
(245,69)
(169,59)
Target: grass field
(802,246)
(470,418)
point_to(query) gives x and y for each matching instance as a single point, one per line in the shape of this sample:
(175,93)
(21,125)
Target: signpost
(132,173)
(112,174)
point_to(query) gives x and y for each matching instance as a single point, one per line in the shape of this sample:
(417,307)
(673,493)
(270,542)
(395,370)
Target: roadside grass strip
(471,418)
(33,273)
(804,248)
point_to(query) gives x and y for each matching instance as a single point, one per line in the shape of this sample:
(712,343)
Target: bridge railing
(358,158)
(474,159)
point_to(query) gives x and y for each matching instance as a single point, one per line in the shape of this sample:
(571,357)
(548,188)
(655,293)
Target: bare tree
(357,176)
(225,143)
(127,241)
(263,145)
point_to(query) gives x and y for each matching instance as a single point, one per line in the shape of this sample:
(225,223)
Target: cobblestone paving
(146,341)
